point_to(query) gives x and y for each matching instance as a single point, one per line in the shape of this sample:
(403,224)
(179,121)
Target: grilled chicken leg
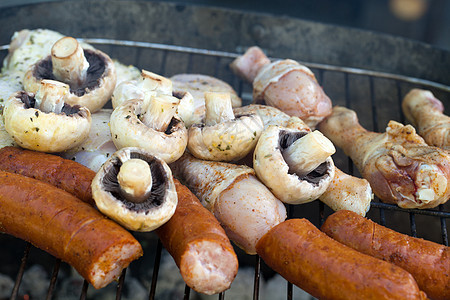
(284,84)
(425,112)
(245,208)
(399,165)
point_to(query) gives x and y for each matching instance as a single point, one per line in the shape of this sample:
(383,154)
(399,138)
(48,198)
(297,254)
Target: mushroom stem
(160,111)
(69,63)
(51,95)
(135,180)
(308,152)
(218,108)
(155,82)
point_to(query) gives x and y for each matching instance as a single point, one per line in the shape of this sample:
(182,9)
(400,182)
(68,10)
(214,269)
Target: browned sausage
(327,269)
(428,262)
(65,174)
(199,245)
(67,228)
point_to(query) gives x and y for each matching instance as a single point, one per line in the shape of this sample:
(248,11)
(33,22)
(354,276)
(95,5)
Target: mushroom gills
(97,64)
(29,101)
(286,140)
(154,198)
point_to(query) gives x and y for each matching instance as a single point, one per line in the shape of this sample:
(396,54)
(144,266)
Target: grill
(373,93)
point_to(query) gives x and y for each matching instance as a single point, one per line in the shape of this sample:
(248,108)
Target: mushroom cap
(5,138)
(47,132)
(127,130)
(126,90)
(270,115)
(226,141)
(97,89)
(145,216)
(197,85)
(273,171)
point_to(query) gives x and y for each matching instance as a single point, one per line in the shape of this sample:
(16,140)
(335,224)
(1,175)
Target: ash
(170,285)
(6,286)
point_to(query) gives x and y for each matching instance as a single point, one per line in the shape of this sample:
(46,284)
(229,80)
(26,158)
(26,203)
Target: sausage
(62,173)
(428,262)
(327,269)
(199,245)
(67,228)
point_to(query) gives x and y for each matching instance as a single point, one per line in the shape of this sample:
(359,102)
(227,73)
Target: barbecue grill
(362,70)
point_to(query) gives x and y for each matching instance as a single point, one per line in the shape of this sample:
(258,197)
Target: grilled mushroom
(223,136)
(89,73)
(295,164)
(136,189)
(44,122)
(152,126)
(150,85)
(197,85)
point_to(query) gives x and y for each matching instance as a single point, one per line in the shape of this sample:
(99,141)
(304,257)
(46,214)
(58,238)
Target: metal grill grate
(375,95)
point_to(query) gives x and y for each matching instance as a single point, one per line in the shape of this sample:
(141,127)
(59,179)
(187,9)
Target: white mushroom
(345,191)
(44,122)
(269,115)
(90,73)
(151,85)
(135,189)
(153,127)
(295,164)
(197,85)
(224,137)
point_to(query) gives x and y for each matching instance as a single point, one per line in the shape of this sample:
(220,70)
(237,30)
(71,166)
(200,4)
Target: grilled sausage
(62,173)
(67,228)
(326,269)
(428,262)
(199,245)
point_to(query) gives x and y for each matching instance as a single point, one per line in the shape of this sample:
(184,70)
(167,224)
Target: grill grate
(354,88)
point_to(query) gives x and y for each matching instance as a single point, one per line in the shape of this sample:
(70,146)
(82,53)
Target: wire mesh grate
(365,91)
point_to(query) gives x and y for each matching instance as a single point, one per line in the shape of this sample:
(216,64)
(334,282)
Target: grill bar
(322,71)
(155,270)
(84,290)
(53,279)
(120,284)
(257,278)
(23,263)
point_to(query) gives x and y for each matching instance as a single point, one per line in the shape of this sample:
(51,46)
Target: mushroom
(90,73)
(150,125)
(197,85)
(135,189)
(152,84)
(295,164)
(44,122)
(5,138)
(223,136)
